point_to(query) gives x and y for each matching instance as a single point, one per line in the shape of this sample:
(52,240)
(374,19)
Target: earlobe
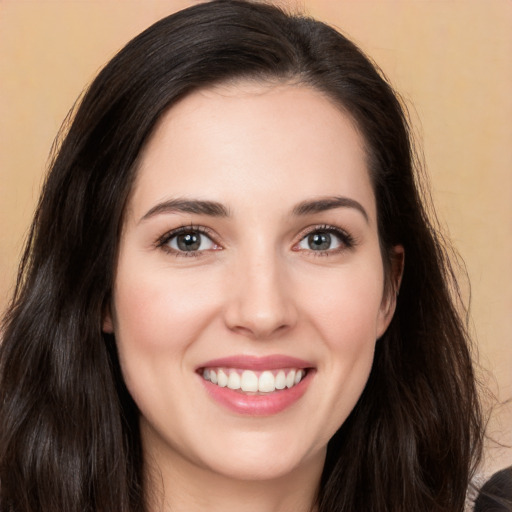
(389,300)
(397,269)
(107,323)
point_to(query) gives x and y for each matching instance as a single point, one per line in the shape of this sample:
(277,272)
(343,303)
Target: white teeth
(290,379)
(234,381)
(280,380)
(222,379)
(266,382)
(248,381)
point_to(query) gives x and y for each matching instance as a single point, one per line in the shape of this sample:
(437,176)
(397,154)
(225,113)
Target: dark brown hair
(69,438)
(496,494)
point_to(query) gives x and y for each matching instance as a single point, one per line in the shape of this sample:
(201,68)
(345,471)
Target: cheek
(349,326)
(348,307)
(348,317)
(157,316)
(156,320)
(159,313)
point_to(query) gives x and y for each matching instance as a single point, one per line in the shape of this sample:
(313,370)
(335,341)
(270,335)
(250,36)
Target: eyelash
(164,240)
(347,241)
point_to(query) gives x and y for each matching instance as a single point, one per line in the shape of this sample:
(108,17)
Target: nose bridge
(260,301)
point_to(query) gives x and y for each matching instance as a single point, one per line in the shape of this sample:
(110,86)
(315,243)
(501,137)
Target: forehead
(243,140)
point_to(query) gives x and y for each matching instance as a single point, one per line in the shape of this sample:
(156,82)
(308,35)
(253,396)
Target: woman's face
(249,257)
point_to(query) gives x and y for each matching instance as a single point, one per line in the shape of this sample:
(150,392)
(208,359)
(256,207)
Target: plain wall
(450,60)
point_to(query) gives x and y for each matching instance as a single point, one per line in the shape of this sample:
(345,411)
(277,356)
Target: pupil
(189,242)
(319,241)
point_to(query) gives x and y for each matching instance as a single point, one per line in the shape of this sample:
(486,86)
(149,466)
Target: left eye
(190,241)
(320,241)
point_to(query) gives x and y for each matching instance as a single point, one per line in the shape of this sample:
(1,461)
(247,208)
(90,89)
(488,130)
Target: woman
(232,296)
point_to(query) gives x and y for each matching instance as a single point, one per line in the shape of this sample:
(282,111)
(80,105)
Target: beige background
(451,60)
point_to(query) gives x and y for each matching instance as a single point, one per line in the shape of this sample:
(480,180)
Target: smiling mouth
(254,382)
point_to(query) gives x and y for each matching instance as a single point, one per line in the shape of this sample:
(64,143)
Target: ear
(388,305)
(107,325)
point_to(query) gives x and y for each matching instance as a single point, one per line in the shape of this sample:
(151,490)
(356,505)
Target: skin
(258,288)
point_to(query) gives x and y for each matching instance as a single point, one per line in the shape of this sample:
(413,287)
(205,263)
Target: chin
(258,468)
(256,459)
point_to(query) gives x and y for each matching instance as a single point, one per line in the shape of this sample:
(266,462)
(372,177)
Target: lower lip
(258,405)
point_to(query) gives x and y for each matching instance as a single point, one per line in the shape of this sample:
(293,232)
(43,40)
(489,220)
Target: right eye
(188,242)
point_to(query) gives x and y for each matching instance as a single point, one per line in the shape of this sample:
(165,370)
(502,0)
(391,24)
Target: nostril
(260,330)
(260,317)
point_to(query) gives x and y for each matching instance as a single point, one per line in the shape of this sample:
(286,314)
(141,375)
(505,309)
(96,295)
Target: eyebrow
(329,203)
(215,209)
(210,208)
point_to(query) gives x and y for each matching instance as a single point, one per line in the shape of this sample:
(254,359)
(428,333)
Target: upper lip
(256,363)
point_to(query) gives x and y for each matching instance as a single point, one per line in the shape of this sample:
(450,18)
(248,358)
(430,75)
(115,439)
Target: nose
(261,302)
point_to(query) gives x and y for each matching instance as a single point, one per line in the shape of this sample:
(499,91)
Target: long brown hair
(69,437)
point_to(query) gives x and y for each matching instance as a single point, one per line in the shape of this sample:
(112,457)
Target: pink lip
(258,405)
(254,363)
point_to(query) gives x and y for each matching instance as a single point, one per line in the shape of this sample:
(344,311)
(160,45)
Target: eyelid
(163,241)
(347,241)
